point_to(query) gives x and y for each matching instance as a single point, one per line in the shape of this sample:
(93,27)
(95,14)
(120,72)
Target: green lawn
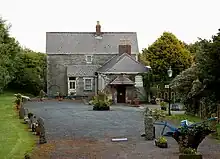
(180,117)
(15,140)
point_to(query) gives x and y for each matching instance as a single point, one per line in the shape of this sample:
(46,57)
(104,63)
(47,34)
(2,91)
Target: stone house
(83,63)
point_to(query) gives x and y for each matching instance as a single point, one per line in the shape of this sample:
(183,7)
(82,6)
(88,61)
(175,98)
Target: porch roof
(122,80)
(123,63)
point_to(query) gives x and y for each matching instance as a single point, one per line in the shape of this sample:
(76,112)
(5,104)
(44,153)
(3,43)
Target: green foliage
(179,117)
(189,150)
(157,114)
(162,140)
(191,137)
(101,102)
(163,104)
(200,84)
(208,63)
(164,52)
(21,69)
(15,140)
(18,99)
(9,48)
(42,93)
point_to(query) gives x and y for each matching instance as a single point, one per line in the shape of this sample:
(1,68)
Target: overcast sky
(187,19)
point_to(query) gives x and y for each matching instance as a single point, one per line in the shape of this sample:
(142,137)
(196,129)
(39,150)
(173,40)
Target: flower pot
(161,145)
(163,108)
(136,102)
(190,156)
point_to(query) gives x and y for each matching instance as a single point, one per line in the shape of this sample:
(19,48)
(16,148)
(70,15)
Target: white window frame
(89,62)
(71,90)
(84,80)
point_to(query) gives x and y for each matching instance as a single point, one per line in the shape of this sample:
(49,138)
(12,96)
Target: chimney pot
(98,29)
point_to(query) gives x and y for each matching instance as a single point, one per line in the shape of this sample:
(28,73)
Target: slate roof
(85,42)
(81,70)
(122,80)
(122,64)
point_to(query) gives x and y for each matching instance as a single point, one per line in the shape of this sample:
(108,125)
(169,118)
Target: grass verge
(179,117)
(15,140)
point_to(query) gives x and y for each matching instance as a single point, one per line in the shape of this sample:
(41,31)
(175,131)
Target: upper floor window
(88,58)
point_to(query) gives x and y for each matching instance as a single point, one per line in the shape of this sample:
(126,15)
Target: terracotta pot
(189,156)
(136,102)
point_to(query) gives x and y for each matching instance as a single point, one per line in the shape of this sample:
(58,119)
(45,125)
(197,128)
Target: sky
(187,19)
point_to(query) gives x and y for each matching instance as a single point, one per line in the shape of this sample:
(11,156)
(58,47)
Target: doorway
(121,90)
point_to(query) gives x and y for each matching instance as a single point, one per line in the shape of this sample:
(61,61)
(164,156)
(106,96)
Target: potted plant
(42,94)
(60,96)
(18,101)
(136,101)
(190,153)
(189,138)
(161,142)
(30,115)
(163,106)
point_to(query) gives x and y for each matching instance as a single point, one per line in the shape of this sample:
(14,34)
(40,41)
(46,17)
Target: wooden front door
(121,94)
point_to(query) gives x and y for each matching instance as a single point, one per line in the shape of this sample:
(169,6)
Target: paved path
(75,131)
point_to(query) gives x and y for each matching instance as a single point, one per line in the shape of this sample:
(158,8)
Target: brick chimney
(98,29)
(124,47)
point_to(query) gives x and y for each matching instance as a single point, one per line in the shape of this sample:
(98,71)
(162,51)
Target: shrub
(162,140)
(18,100)
(42,93)
(101,102)
(157,114)
(163,105)
(189,150)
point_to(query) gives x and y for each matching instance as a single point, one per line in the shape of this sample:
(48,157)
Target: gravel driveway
(74,131)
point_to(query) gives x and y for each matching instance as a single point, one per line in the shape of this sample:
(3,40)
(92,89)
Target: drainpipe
(97,82)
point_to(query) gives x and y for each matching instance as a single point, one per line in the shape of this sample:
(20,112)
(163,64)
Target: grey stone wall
(56,70)
(80,87)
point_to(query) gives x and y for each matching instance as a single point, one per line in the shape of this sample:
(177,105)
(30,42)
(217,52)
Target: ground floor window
(72,84)
(88,83)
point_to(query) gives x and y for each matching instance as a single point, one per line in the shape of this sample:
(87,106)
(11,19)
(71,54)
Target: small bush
(101,102)
(157,114)
(163,105)
(42,93)
(162,140)
(189,150)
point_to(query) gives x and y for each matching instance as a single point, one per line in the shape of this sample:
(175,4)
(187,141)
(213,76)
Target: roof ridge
(90,32)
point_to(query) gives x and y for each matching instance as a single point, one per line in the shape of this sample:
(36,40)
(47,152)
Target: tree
(30,72)
(208,63)
(20,68)
(9,48)
(200,85)
(167,51)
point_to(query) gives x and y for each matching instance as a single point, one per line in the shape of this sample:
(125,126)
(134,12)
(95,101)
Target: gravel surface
(74,131)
